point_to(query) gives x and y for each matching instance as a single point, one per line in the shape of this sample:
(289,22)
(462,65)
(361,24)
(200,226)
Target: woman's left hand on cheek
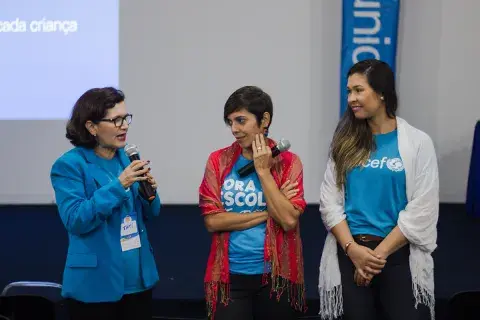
(262,154)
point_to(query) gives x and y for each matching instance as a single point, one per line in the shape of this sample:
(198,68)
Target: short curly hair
(93,105)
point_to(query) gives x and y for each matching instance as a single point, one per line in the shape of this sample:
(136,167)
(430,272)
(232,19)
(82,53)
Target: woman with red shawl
(255,266)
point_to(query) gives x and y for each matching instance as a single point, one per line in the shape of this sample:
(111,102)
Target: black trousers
(390,294)
(250,300)
(136,306)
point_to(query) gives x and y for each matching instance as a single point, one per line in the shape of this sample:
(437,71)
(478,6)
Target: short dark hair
(251,98)
(93,105)
(382,80)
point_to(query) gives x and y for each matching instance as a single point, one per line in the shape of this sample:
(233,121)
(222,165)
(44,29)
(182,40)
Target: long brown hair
(353,140)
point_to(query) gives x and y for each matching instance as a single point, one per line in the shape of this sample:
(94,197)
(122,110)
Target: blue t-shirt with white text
(244,196)
(375,193)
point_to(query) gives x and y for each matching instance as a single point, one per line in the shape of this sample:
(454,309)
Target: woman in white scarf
(379,201)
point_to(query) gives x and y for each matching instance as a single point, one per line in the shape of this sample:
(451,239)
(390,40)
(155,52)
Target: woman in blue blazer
(110,269)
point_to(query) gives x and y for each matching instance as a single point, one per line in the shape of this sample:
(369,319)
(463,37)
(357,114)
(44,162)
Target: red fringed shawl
(283,250)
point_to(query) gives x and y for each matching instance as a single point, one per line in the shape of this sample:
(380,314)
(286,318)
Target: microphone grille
(131,149)
(283,145)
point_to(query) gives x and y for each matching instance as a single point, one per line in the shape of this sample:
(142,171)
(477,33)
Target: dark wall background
(34,244)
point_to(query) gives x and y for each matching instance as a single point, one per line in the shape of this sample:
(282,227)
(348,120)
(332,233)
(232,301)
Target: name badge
(129,237)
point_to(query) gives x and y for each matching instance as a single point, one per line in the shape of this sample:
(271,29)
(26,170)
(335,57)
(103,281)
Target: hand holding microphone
(263,155)
(137,171)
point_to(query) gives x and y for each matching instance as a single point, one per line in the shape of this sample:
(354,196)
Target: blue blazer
(89,205)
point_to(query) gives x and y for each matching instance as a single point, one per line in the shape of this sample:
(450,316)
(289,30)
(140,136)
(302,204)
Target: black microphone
(146,189)
(282,145)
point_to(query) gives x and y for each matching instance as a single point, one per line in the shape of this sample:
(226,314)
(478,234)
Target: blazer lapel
(98,173)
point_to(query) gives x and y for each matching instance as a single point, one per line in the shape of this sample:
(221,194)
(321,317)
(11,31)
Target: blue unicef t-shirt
(131,258)
(375,193)
(243,196)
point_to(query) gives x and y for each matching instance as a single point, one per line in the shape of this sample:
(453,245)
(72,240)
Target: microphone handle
(250,167)
(275,152)
(146,189)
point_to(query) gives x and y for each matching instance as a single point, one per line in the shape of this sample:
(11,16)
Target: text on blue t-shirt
(375,192)
(244,196)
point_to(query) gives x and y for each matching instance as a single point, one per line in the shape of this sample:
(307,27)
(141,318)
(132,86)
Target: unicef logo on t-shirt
(395,164)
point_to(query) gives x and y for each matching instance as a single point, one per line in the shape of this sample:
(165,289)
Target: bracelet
(348,245)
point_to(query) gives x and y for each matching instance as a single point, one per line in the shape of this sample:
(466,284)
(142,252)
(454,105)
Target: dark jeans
(136,306)
(390,294)
(251,300)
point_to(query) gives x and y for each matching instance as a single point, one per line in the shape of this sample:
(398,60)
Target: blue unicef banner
(369,30)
